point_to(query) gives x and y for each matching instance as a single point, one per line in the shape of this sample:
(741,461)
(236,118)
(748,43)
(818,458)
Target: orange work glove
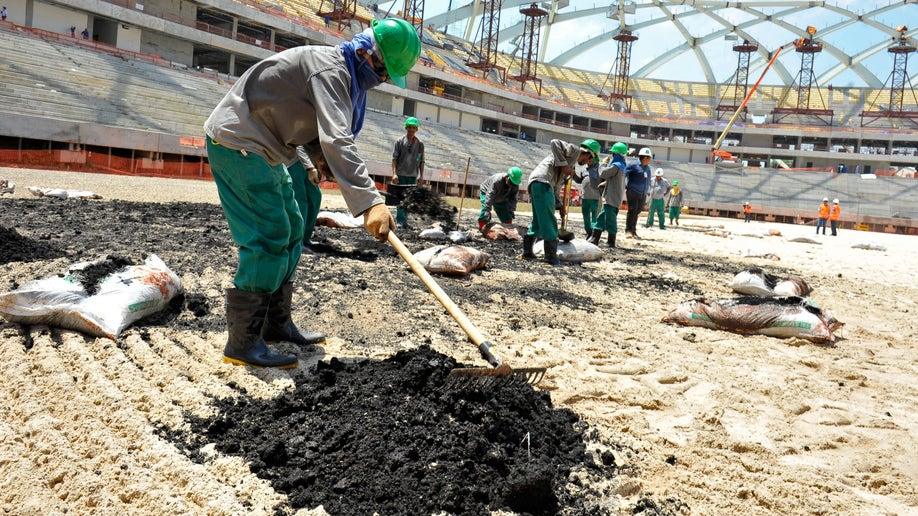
(378,221)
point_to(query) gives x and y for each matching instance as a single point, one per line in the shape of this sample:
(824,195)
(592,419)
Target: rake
(500,371)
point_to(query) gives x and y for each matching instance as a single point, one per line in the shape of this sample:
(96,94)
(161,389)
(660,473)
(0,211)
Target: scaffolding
(620,74)
(744,51)
(488,34)
(529,45)
(414,14)
(803,85)
(900,86)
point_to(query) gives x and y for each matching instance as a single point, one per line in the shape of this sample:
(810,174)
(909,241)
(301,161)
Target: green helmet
(411,122)
(593,147)
(620,148)
(515,175)
(399,45)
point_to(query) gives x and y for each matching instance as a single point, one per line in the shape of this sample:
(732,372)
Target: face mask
(367,78)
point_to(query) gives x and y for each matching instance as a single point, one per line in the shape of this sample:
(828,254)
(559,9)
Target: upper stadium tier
(693,40)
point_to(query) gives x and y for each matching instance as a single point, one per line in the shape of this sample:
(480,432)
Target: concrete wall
(54,18)
(169,48)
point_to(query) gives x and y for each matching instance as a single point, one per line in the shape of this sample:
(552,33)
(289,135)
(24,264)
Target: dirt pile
(386,437)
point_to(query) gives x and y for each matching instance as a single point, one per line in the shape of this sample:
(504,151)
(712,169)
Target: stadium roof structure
(692,40)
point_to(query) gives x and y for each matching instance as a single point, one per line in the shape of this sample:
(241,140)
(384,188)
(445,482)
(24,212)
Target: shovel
(564,234)
(500,371)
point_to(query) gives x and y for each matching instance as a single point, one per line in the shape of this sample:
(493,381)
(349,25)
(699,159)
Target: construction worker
(499,191)
(590,193)
(613,175)
(823,216)
(314,96)
(659,189)
(834,213)
(407,164)
(675,203)
(637,177)
(544,183)
(747,209)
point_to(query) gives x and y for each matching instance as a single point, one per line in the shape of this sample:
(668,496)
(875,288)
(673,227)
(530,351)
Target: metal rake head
(481,377)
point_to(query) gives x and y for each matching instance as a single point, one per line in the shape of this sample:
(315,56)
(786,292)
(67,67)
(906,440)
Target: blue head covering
(363,77)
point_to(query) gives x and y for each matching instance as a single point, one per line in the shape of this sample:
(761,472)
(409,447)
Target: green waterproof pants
(656,207)
(674,212)
(263,216)
(502,209)
(607,220)
(544,224)
(401,217)
(589,207)
(308,197)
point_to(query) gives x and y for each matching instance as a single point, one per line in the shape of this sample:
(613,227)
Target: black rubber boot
(245,317)
(594,239)
(551,252)
(589,233)
(611,241)
(279,325)
(528,242)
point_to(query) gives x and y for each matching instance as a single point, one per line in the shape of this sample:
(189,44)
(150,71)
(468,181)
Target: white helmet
(835,201)
(825,199)
(658,173)
(645,152)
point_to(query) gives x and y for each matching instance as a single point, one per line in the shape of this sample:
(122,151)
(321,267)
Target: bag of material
(338,220)
(775,317)
(124,297)
(61,193)
(756,282)
(501,232)
(577,250)
(872,246)
(454,259)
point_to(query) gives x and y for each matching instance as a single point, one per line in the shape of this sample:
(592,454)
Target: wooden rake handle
(455,312)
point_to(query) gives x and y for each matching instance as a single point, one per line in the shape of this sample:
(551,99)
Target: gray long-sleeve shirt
(587,189)
(614,191)
(495,189)
(549,170)
(300,96)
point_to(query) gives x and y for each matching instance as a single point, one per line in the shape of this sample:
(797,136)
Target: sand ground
(727,424)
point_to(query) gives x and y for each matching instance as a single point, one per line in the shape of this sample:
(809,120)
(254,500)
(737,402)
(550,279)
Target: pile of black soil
(17,248)
(386,437)
(91,274)
(429,204)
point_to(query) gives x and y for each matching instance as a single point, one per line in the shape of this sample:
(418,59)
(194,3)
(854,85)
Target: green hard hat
(592,146)
(620,148)
(515,175)
(399,45)
(411,122)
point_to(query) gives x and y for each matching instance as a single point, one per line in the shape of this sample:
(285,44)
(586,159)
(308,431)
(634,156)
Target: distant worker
(612,174)
(590,193)
(834,214)
(85,33)
(407,164)
(637,178)
(659,189)
(314,96)
(675,203)
(499,191)
(747,210)
(544,183)
(3,13)
(823,216)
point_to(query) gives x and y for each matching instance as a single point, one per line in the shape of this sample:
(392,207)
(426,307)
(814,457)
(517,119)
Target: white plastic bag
(338,220)
(756,282)
(577,250)
(124,297)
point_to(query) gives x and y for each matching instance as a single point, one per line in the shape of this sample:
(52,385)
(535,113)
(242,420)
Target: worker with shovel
(613,175)
(314,96)
(499,191)
(544,181)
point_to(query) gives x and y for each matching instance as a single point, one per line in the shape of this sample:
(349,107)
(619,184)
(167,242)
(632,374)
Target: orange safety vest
(823,211)
(747,209)
(836,211)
